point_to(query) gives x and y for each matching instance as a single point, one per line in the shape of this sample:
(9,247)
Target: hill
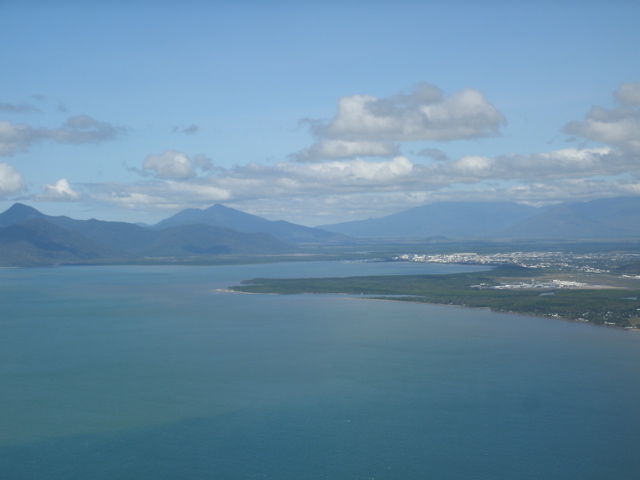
(221,216)
(199,239)
(29,237)
(36,242)
(18,213)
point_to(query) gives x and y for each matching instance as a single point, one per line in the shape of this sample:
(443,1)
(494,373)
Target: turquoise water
(151,373)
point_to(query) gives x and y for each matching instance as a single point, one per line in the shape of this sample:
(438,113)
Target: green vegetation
(619,307)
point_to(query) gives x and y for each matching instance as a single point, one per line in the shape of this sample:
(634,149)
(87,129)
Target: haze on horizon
(315,113)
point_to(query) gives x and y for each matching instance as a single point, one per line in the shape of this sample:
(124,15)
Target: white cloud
(618,126)
(346,186)
(331,149)
(255,181)
(170,165)
(80,129)
(368,186)
(60,191)
(11,180)
(424,114)
(354,174)
(565,163)
(357,206)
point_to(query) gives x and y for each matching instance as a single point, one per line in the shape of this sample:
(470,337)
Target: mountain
(29,237)
(18,213)
(603,218)
(595,219)
(36,242)
(448,219)
(123,237)
(199,239)
(221,216)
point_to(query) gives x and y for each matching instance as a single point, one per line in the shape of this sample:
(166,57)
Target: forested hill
(31,238)
(221,216)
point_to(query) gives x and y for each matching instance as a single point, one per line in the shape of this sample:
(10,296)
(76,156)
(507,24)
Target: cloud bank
(355,168)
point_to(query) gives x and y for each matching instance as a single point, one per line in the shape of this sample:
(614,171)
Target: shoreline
(350,296)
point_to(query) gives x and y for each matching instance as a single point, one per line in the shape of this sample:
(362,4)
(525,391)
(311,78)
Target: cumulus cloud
(60,191)
(424,114)
(354,174)
(80,129)
(173,165)
(313,202)
(618,126)
(170,165)
(518,176)
(350,181)
(255,181)
(11,180)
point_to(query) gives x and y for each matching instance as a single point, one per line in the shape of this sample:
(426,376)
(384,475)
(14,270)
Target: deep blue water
(150,373)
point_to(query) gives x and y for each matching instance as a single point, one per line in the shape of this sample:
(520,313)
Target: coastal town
(554,272)
(580,262)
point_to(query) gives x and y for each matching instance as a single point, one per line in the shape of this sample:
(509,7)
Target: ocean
(135,372)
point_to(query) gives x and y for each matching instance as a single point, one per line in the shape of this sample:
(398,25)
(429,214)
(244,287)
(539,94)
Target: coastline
(406,298)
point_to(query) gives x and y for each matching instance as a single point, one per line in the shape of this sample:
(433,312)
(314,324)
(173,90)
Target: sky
(315,112)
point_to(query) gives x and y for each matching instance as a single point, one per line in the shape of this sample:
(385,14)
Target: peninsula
(612,301)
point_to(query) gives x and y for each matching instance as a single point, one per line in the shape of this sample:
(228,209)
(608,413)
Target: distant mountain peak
(221,216)
(18,213)
(21,207)
(28,237)
(218,206)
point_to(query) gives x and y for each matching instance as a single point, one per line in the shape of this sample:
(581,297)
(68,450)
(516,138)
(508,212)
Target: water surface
(150,372)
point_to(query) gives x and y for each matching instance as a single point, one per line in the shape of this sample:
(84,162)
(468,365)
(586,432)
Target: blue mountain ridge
(29,237)
(596,219)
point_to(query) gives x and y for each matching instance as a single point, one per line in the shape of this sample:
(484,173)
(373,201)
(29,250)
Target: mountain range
(29,237)
(597,219)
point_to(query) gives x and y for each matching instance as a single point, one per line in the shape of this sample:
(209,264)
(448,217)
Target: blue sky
(315,112)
